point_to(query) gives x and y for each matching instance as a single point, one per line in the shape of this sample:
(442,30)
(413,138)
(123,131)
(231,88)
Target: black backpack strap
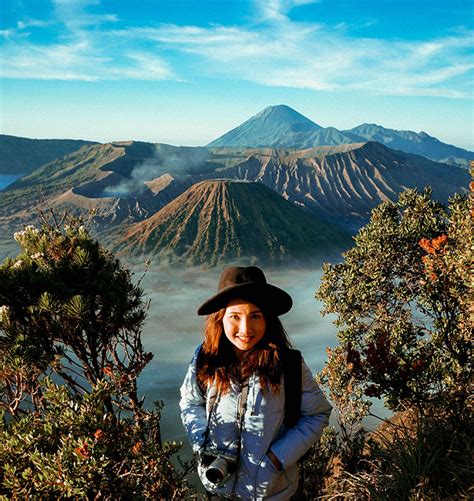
(293,386)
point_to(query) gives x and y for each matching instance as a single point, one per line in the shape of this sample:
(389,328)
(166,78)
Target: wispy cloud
(146,66)
(71,61)
(272,50)
(312,57)
(75,61)
(277,10)
(32,23)
(84,48)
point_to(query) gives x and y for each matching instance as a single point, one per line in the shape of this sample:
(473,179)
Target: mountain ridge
(342,183)
(345,186)
(419,143)
(277,126)
(22,155)
(255,132)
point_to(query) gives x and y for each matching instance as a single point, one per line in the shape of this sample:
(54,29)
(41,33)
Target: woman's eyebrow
(234,312)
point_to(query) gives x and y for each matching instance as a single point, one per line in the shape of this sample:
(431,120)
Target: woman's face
(244,325)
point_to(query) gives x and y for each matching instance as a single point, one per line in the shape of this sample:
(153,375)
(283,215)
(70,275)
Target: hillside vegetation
(72,422)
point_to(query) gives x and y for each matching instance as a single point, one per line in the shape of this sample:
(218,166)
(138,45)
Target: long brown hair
(218,363)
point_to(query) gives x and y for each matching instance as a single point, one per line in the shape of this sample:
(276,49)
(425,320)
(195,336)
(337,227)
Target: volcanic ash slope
(221,220)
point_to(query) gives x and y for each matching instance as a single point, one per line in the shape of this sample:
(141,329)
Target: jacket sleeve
(193,407)
(315,412)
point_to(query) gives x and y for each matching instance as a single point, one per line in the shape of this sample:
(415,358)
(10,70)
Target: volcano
(222,220)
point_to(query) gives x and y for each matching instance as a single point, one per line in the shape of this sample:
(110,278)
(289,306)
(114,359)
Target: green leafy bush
(402,300)
(70,313)
(67,306)
(72,448)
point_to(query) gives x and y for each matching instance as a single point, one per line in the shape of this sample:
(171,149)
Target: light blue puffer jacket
(263,429)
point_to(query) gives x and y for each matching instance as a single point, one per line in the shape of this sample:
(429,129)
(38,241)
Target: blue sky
(185,72)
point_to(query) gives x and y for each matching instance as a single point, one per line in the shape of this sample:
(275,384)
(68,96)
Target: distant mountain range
(221,220)
(20,155)
(419,143)
(283,127)
(198,204)
(275,127)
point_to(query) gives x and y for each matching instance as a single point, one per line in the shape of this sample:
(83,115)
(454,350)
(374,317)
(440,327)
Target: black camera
(218,466)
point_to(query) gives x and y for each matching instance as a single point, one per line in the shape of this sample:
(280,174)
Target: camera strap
(211,399)
(241,408)
(211,404)
(244,393)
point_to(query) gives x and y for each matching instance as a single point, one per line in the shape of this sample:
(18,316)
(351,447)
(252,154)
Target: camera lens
(217,470)
(214,475)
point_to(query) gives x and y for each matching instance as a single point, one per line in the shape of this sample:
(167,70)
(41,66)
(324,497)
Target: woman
(233,397)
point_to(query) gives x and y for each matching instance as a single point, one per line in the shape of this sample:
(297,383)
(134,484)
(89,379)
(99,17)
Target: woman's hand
(274,460)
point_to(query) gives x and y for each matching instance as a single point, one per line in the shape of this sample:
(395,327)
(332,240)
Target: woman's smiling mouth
(245,339)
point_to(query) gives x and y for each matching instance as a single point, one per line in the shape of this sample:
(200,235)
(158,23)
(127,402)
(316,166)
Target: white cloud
(147,66)
(75,61)
(56,62)
(28,23)
(291,54)
(277,10)
(83,51)
(7,33)
(274,51)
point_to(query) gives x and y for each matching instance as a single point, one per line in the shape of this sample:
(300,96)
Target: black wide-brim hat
(250,284)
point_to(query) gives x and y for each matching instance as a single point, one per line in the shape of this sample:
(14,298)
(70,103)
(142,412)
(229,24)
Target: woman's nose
(244,326)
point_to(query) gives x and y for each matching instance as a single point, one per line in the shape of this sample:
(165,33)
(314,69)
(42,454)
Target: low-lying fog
(173,329)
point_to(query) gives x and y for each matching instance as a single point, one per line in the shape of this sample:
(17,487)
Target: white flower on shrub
(18,235)
(37,255)
(18,264)
(29,230)
(4,311)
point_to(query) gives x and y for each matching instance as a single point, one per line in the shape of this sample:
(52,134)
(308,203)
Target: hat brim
(264,295)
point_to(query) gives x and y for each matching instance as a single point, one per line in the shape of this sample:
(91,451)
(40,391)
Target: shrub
(72,448)
(430,461)
(68,307)
(402,300)
(69,312)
